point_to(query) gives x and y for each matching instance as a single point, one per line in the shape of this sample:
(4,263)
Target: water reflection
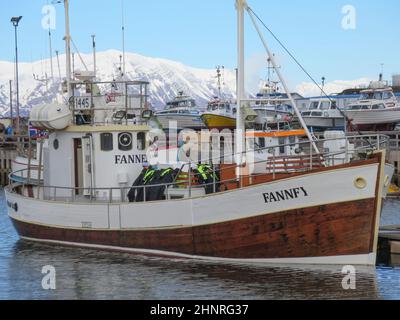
(87,274)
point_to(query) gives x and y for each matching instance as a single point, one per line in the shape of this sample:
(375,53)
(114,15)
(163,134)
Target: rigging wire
(348,121)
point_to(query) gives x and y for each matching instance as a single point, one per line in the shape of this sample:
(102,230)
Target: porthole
(56,144)
(360,183)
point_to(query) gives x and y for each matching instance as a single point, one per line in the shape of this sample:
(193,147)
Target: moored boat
(377,109)
(323,114)
(99,192)
(182,111)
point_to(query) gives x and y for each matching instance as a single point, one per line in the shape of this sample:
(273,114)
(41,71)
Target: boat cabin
(320,108)
(94,143)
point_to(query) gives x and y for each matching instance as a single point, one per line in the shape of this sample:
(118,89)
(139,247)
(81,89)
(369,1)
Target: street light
(15,21)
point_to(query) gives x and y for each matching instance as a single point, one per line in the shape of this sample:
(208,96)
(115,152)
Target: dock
(10,148)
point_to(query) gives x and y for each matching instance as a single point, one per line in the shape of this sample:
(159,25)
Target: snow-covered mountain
(166,79)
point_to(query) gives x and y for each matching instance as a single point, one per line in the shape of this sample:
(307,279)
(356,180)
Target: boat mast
(94,54)
(240,5)
(51,56)
(67,47)
(123,38)
(282,80)
(219,75)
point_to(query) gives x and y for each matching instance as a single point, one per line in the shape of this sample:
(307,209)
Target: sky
(203,33)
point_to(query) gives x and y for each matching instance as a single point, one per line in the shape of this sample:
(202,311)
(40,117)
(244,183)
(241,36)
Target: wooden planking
(337,229)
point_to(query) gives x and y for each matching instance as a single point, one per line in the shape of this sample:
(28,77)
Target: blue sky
(203,33)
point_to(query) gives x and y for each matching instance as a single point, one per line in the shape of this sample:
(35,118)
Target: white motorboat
(182,111)
(323,114)
(377,109)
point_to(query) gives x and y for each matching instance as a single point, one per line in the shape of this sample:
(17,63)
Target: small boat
(270,114)
(323,114)
(377,109)
(221,114)
(182,111)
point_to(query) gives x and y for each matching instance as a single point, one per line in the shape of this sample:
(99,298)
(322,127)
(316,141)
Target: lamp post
(15,21)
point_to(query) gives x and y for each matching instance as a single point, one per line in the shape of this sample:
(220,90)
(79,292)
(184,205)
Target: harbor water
(91,274)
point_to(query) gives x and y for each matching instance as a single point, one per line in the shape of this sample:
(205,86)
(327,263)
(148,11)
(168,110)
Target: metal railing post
(214,184)
(190,179)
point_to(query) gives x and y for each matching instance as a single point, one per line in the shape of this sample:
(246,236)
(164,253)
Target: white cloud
(309,89)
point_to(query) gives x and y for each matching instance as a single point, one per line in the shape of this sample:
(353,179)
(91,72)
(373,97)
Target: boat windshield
(326,105)
(376,95)
(388,95)
(314,105)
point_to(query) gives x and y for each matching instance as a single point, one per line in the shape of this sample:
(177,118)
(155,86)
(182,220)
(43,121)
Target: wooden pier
(10,148)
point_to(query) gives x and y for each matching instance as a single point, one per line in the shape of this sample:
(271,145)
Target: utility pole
(15,21)
(240,127)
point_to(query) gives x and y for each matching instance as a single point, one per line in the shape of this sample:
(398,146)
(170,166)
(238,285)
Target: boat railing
(126,100)
(224,178)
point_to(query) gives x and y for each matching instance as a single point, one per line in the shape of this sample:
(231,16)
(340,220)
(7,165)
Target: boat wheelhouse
(323,114)
(377,109)
(183,111)
(220,114)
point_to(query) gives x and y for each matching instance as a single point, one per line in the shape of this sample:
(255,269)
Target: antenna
(219,76)
(73,62)
(58,64)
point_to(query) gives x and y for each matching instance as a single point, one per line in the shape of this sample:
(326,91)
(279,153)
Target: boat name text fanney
(285,195)
(130,159)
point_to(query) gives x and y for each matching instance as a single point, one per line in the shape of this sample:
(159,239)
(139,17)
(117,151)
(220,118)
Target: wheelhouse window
(316,114)
(141,141)
(106,141)
(314,105)
(378,107)
(282,142)
(261,143)
(325,105)
(387,95)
